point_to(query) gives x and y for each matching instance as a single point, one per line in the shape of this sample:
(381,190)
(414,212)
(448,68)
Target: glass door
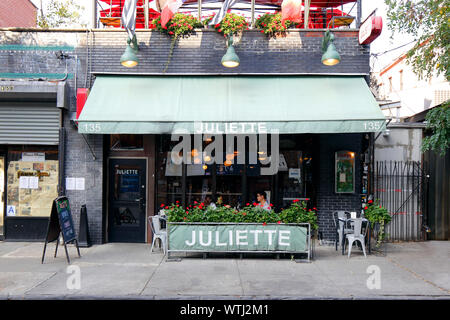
(127,200)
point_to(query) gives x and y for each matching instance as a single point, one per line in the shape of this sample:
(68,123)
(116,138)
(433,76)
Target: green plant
(180,25)
(251,213)
(231,24)
(376,213)
(271,24)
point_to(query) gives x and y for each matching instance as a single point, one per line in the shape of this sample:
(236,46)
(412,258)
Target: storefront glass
(237,184)
(32,181)
(2,190)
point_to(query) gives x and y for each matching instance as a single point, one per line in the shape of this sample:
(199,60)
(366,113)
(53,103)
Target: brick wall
(31,55)
(17,13)
(327,200)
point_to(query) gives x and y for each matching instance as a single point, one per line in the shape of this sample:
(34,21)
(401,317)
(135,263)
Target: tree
(60,13)
(429,22)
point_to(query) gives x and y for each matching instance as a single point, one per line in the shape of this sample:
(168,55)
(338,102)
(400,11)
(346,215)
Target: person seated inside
(209,202)
(261,198)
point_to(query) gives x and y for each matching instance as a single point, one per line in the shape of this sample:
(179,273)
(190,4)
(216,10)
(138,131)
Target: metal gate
(398,186)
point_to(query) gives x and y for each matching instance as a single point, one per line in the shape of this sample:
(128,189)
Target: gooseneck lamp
(129,58)
(330,55)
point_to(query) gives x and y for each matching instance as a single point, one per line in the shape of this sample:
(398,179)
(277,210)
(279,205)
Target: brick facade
(31,55)
(17,13)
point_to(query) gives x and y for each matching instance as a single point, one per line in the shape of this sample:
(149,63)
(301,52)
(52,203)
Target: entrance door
(127,200)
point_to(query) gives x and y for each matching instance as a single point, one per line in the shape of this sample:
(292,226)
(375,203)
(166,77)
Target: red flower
(255,204)
(264,224)
(279,222)
(314,208)
(166,207)
(370,201)
(162,206)
(177,201)
(184,218)
(195,202)
(248,204)
(271,205)
(365,208)
(244,213)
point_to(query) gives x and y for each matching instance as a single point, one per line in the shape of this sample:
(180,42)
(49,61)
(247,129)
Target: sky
(381,44)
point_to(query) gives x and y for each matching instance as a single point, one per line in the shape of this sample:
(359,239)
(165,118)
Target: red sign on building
(370,30)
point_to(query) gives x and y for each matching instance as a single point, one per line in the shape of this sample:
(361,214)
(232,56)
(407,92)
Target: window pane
(126,142)
(32,182)
(2,189)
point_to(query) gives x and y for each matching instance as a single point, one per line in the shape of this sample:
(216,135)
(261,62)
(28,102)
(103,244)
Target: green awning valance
(289,104)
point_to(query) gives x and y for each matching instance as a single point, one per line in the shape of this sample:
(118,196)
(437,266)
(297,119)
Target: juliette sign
(370,29)
(238,237)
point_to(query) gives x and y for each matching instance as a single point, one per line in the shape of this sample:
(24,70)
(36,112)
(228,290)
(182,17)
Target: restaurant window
(168,174)
(2,190)
(126,142)
(32,181)
(234,184)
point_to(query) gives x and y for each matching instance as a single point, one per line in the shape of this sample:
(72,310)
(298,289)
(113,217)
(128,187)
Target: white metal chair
(357,235)
(158,233)
(338,217)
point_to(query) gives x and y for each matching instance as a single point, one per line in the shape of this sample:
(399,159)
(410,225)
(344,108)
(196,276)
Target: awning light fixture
(129,58)
(230,59)
(330,55)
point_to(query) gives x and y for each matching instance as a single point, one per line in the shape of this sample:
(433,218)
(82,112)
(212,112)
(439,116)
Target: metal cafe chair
(340,224)
(357,235)
(158,233)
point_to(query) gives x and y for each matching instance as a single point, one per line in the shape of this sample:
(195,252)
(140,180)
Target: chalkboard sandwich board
(61,223)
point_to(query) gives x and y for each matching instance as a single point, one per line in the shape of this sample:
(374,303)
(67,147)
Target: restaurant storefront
(289,141)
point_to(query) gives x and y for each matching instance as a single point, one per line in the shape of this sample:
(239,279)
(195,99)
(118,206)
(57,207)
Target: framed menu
(345,172)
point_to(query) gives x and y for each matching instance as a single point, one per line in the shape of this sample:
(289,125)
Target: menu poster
(345,172)
(65,219)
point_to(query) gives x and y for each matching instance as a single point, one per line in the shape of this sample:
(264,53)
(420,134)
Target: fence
(398,186)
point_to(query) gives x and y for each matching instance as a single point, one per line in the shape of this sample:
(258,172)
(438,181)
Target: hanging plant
(181,25)
(271,24)
(231,24)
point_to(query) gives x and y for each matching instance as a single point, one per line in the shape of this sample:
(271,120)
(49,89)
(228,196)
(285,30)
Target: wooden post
(253,14)
(146,14)
(199,10)
(93,14)
(307,5)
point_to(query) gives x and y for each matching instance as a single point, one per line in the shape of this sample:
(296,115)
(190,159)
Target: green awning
(289,104)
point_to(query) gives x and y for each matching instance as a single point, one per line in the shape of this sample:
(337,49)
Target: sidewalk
(129,271)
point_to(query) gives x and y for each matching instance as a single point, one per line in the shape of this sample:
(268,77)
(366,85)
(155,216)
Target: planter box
(239,238)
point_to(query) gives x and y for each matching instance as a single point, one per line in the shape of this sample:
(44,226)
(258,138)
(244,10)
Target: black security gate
(399,187)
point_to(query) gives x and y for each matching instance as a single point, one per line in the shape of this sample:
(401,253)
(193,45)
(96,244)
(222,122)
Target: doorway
(127,187)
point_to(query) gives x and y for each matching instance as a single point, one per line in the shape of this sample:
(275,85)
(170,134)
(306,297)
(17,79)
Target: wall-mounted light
(230,59)
(330,55)
(129,58)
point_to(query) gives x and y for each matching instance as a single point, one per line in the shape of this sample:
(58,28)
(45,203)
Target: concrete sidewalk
(129,271)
